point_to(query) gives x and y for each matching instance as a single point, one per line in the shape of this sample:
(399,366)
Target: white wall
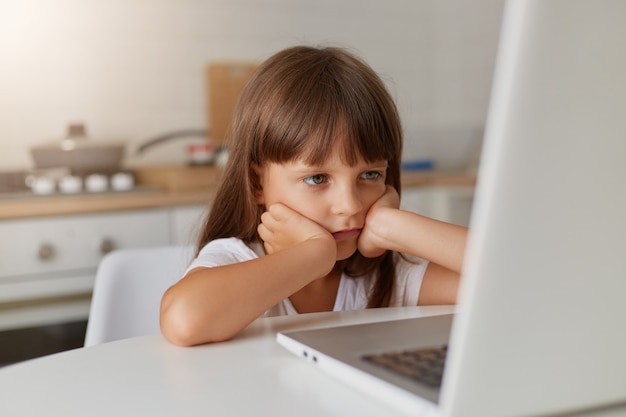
(134,69)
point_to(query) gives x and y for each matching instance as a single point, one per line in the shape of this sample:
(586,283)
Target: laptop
(539,328)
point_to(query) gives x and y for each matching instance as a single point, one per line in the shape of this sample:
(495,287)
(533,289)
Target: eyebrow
(303,166)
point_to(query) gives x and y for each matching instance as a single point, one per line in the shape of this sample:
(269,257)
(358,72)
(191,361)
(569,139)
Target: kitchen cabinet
(54,244)
(452,204)
(48,264)
(186,223)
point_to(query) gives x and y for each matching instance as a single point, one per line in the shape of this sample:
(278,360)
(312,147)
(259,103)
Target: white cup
(70,184)
(96,183)
(41,185)
(122,181)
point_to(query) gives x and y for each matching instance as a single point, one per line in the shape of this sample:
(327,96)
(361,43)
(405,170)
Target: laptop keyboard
(424,365)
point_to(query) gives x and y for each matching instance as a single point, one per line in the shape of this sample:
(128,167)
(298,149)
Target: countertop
(155,197)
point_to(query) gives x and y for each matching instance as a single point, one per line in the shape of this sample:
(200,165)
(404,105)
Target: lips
(347,233)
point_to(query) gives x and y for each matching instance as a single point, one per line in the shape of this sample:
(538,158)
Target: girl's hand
(281,228)
(370,242)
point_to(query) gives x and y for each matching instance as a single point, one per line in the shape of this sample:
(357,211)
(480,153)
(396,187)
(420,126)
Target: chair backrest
(128,289)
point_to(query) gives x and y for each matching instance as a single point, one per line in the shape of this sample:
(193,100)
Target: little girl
(306,216)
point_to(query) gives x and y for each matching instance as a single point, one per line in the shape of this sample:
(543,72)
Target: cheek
(306,204)
(310,207)
(373,196)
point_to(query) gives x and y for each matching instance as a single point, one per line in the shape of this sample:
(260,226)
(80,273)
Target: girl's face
(334,195)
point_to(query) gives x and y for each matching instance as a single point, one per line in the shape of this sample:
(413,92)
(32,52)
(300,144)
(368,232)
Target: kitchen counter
(438,179)
(155,197)
(38,206)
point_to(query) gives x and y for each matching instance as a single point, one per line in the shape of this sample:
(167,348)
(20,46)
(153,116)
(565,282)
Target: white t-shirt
(352,293)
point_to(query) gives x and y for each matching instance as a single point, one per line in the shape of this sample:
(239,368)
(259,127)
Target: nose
(347,201)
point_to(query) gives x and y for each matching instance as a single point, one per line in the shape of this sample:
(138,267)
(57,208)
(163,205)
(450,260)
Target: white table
(147,376)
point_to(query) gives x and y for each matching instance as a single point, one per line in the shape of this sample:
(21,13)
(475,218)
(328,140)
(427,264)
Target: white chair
(128,289)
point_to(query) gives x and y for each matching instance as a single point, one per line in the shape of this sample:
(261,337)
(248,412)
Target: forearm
(214,304)
(407,232)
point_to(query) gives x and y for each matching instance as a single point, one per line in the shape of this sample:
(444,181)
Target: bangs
(326,103)
(354,135)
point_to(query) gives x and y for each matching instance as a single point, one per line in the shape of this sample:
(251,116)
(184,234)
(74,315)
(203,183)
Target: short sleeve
(226,251)
(409,277)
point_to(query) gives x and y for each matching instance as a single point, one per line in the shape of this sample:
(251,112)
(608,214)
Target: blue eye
(371,175)
(315,179)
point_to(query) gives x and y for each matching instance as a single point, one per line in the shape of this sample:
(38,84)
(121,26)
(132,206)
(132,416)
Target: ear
(257,172)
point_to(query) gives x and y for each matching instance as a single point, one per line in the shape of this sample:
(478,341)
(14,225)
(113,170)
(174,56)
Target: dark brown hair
(294,107)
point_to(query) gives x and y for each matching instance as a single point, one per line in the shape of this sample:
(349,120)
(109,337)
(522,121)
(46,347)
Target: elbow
(182,326)
(175,325)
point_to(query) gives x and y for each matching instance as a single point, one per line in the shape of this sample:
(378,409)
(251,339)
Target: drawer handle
(46,252)
(107,245)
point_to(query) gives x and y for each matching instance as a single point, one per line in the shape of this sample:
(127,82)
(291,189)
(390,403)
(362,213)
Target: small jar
(201,153)
(70,184)
(96,183)
(122,181)
(41,185)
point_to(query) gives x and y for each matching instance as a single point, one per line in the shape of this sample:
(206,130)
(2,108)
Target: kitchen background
(136,70)
(133,70)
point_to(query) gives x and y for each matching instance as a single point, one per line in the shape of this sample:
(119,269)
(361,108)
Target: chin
(345,251)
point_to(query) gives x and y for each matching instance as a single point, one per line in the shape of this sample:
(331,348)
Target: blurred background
(134,70)
(132,76)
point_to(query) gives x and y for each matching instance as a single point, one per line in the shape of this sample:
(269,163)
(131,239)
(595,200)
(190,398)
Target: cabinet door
(65,243)
(448,204)
(186,223)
